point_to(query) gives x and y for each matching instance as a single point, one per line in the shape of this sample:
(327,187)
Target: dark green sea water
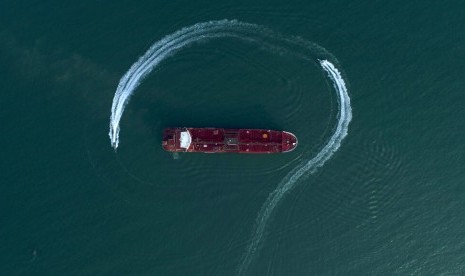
(389,201)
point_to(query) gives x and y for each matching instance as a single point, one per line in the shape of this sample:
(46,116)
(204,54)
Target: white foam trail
(159,51)
(170,44)
(289,182)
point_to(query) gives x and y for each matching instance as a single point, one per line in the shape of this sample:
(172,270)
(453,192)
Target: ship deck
(211,140)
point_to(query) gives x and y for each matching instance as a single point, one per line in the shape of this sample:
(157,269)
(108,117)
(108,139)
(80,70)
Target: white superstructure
(185,139)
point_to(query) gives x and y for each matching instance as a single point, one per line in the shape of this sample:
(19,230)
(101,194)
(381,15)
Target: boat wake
(290,180)
(269,41)
(165,48)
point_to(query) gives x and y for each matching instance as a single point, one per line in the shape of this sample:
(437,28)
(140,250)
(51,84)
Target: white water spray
(172,43)
(161,50)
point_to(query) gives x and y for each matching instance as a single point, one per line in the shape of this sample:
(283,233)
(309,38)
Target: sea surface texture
(374,91)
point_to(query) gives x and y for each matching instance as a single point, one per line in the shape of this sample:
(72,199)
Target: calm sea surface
(389,201)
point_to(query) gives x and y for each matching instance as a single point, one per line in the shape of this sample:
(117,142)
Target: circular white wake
(267,40)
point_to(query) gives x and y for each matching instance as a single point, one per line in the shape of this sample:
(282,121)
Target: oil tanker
(219,140)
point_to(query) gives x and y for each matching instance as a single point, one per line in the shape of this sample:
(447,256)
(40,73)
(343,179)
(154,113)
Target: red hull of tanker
(211,140)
